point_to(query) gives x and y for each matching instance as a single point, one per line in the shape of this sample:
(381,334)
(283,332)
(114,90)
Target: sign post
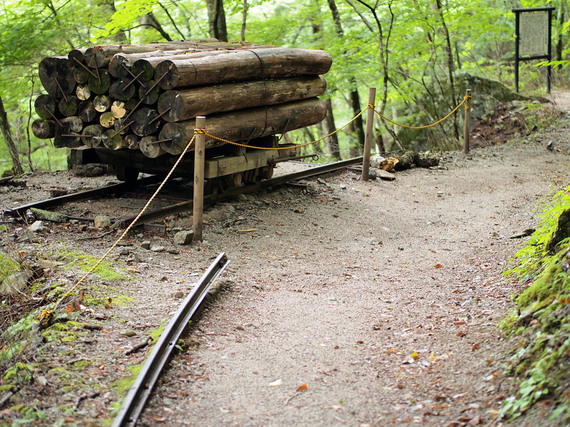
(533,28)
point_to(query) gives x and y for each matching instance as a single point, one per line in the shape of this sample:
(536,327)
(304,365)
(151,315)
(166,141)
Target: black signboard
(533,38)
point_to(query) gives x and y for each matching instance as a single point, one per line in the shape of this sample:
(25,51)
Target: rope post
(199,161)
(368,134)
(466,135)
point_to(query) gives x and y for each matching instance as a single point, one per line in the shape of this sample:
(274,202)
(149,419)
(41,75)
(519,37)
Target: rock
(48,216)
(157,248)
(386,176)
(37,226)
(184,237)
(15,282)
(561,232)
(145,245)
(28,236)
(90,169)
(102,221)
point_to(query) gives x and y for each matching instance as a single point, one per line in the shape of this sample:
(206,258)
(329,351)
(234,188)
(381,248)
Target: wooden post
(199,161)
(368,135)
(466,136)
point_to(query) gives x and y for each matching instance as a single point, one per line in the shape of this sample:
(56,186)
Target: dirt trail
(346,302)
(368,303)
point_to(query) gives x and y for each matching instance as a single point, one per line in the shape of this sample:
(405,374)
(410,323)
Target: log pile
(145,97)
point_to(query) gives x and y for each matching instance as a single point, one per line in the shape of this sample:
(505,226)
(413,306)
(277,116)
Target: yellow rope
(426,126)
(46,315)
(285,148)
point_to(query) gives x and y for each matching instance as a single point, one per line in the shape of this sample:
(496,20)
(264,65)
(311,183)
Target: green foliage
(543,319)
(533,257)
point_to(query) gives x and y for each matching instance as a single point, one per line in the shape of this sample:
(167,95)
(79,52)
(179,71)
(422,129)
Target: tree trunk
(217,19)
(244,20)
(7,134)
(333,147)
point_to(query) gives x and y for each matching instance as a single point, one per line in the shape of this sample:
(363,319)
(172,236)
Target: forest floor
(346,302)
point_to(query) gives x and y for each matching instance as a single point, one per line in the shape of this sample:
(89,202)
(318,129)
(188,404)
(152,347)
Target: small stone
(157,248)
(37,226)
(145,244)
(178,295)
(173,251)
(128,333)
(102,221)
(184,237)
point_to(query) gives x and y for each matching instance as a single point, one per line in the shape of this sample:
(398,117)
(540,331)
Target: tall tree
(354,97)
(7,134)
(217,19)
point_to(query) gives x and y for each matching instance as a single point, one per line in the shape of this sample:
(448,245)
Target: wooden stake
(466,135)
(368,135)
(199,161)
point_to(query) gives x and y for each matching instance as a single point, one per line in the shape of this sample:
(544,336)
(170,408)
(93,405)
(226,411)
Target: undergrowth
(542,320)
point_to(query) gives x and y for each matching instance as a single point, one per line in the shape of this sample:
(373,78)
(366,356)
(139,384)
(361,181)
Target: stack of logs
(145,97)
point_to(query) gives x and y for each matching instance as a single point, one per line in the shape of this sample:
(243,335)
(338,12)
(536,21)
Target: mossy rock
(9,275)
(546,289)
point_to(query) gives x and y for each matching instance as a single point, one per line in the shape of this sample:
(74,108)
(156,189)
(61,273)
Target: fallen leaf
(392,350)
(475,347)
(461,334)
(415,356)
(438,266)
(459,322)
(302,387)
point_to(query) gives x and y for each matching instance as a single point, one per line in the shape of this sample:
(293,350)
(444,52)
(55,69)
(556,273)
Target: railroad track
(182,206)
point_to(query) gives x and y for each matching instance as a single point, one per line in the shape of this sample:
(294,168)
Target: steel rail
(80,195)
(212,198)
(145,382)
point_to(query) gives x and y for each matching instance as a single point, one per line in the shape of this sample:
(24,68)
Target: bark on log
(56,75)
(179,105)
(100,56)
(244,125)
(241,65)
(43,128)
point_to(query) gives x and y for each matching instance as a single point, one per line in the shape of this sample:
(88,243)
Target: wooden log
(149,92)
(120,64)
(88,112)
(81,75)
(100,82)
(112,140)
(56,76)
(122,89)
(145,121)
(45,106)
(184,104)
(93,135)
(75,57)
(100,56)
(118,109)
(43,128)
(83,92)
(107,119)
(102,103)
(68,133)
(244,125)
(68,106)
(241,65)
(150,148)
(123,125)
(132,141)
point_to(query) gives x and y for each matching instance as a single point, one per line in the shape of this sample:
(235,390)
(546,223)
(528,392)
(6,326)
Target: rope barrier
(46,315)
